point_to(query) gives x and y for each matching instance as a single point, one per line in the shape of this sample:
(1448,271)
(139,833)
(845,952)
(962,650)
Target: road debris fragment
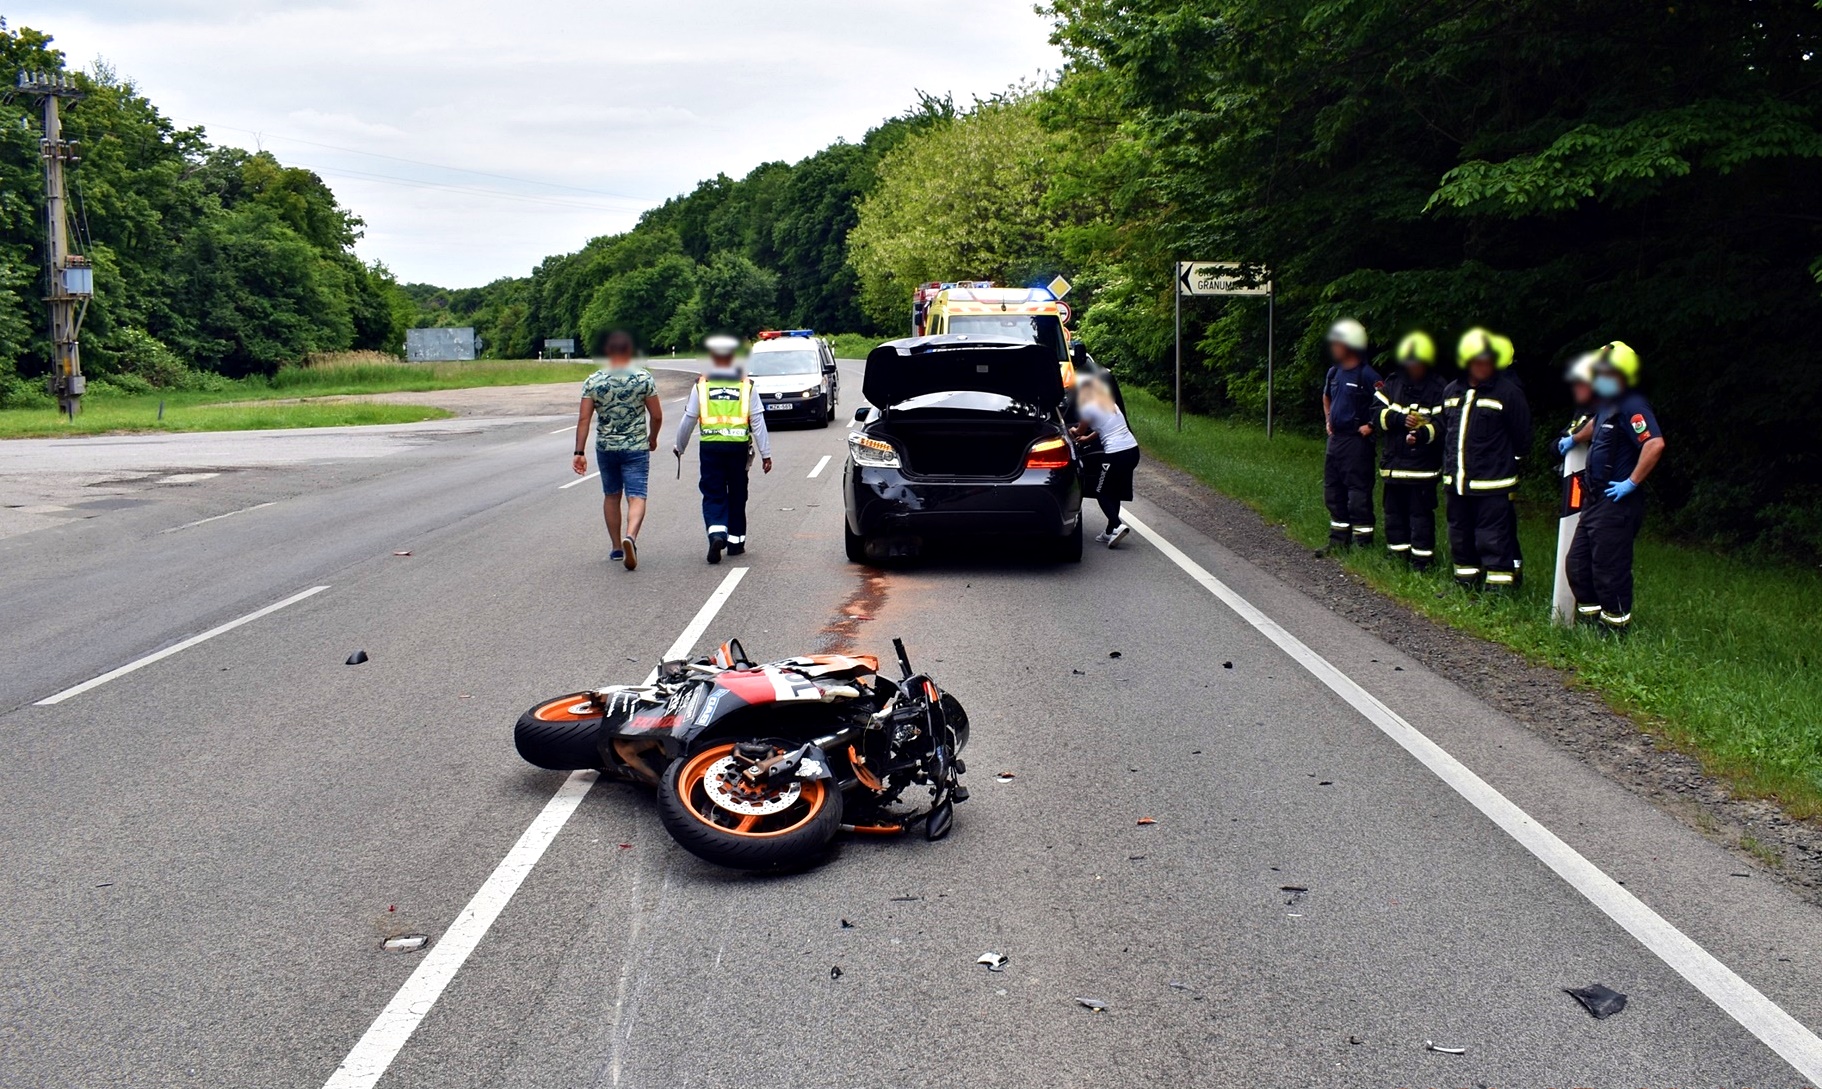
(1078,673)
(1602,1002)
(846,925)
(905,899)
(835,972)
(357,657)
(1094,1004)
(1148,820)
(1227,665)
(1005,777)
(1431,1045)
(405,943)
(1355,1040)
(1113,654)
(406,552)
(995,962)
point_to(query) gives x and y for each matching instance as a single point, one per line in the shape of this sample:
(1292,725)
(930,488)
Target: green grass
(235,407)
(1725,659)
(854,345)
(141,414)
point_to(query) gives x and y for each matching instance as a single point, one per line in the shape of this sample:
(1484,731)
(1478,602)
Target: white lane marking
(381,1043)
(816,472)
(219,517)
(1759,1015)
(578,480)
(160,655)
(185,478)
(561,430)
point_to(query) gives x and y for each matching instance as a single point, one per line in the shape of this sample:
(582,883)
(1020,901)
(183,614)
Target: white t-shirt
(1108,422)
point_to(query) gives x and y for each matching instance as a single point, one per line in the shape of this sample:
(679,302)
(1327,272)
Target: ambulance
(1032,314)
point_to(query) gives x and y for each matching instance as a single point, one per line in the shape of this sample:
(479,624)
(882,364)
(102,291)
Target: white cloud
(475,138)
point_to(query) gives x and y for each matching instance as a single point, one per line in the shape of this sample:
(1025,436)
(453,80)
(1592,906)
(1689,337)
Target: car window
(1042,329)
(788,361)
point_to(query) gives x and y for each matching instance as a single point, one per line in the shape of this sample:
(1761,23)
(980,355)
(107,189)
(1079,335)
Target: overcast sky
(476,138)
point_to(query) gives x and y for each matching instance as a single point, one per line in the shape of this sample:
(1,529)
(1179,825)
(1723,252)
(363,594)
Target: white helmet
(1349,334)
(721,344)
(1582,369)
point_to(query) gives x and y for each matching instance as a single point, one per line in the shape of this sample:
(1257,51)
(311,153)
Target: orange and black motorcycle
(760,766)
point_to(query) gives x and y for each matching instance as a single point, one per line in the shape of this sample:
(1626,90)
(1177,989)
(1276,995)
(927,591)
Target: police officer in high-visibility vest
(1625,445)
(1348,409)
(725,410)
(1486,432)
(1410,460)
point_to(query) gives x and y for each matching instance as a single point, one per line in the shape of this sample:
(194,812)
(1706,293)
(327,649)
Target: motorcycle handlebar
(904,661)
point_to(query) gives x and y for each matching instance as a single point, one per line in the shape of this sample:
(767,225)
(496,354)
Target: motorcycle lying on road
(758,767)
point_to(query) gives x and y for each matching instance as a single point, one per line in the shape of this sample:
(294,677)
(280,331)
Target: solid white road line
(219,517)
(158,656)
(578,480)
(393,1027)
(816,472)
(1759,1015)
(561,430)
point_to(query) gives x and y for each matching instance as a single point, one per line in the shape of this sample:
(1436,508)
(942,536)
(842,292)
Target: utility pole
(70,281)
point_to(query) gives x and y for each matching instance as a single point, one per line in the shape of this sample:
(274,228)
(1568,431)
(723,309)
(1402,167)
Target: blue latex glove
(1620,489)
(1564,444)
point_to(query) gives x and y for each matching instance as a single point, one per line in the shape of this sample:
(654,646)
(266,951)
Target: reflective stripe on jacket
(723,409)
(1400,397)
(1486,433)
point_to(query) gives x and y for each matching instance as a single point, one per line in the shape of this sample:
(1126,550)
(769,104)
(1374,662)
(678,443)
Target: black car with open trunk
(964,435)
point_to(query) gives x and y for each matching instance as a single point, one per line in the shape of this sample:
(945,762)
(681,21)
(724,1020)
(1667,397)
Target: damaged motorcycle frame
(760,766)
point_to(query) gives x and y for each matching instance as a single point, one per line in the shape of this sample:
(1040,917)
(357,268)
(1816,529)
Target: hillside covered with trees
(1566,173)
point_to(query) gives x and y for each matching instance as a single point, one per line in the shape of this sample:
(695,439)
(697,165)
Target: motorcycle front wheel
(708,809)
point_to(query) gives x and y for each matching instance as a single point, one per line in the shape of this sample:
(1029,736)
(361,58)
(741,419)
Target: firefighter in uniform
(1348,408)
(1486,431)
(1410,408)
(722,407)
(1625,445)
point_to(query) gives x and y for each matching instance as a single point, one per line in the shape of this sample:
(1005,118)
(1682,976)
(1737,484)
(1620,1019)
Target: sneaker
(1103,538)
(616,556)
(632,552)
(717,542)
(1119,534)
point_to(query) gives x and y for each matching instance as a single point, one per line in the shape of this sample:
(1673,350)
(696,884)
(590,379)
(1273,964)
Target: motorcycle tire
(789,838)
(561,734)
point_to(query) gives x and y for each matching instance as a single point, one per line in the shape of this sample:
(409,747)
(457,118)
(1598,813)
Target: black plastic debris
(1078,673)
(1326,783)
(835,972)
(1355,1040)
(905,899)
(846,925)
(1602,1002)
(357,657)
(1297,893)
(1113,654)
(1095,1004)
(1227,665)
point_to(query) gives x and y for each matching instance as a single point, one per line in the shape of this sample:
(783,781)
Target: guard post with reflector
(1568,516)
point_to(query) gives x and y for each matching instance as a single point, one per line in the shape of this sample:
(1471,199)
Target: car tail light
(1047,454)
(872,452)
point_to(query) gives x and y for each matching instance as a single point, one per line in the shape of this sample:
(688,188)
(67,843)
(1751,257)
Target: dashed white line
(158,656)
(561,430)
(1742,1001)
(816,472)
(578,480)
(219,517)
(381,1043)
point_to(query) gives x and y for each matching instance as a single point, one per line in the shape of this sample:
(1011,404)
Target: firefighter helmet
(1349,334)
(1478,342)
(1619,356)
(1417,348)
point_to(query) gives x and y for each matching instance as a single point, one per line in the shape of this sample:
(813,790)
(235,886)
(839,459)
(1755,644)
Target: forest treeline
(1563,172)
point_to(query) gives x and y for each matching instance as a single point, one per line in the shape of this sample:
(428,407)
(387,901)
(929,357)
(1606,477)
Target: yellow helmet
(1417,347)
(1620,356)
(1478,341)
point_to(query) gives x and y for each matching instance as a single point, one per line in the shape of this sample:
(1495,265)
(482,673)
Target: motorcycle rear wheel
(805,816)
(561,734)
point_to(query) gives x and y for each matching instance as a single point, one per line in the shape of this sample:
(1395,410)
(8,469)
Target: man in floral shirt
(623,401)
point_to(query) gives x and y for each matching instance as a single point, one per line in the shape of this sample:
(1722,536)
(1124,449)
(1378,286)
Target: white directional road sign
(1217,278)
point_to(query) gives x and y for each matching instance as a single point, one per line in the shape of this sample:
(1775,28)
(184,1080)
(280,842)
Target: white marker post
(1569,515)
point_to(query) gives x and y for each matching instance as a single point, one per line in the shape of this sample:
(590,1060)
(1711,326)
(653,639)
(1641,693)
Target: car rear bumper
(883,502)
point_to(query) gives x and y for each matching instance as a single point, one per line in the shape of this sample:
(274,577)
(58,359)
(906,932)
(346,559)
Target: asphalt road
(200,859)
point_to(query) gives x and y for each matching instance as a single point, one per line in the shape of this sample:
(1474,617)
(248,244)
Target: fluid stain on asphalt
(841,635)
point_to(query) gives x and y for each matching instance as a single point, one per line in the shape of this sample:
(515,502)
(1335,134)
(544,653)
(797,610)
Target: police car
(793,372)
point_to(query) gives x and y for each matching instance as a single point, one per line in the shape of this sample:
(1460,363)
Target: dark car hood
(899,370)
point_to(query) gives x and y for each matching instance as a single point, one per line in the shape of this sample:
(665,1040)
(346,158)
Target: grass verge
(141,414)
(1725,661)
(854,345)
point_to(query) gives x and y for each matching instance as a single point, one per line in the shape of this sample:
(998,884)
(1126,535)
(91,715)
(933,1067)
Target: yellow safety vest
(723,409)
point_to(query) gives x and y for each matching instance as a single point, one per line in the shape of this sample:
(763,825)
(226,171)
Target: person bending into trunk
(1112,456)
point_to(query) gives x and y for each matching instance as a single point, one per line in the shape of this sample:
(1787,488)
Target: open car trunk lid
(901,370)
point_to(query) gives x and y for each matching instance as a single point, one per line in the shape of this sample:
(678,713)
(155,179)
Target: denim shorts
(624,471)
